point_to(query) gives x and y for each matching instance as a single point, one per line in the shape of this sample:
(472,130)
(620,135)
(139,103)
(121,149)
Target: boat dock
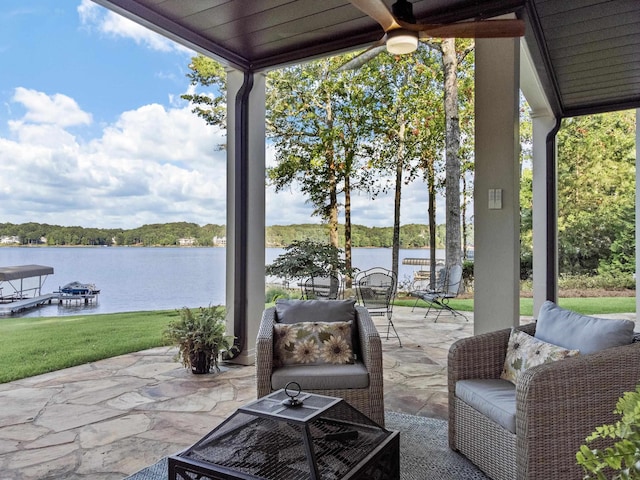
(422,274)
(17,306)
(26,283)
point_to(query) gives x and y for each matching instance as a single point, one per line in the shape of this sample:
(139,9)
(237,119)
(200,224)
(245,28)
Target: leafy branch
(623,457)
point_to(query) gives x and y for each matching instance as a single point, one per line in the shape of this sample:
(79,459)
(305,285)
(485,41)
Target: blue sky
(93,131)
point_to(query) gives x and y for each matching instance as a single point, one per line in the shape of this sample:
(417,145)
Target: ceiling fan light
(401,41)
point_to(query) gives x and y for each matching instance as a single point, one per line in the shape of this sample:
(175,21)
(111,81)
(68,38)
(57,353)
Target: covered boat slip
(21,287)
(12,279)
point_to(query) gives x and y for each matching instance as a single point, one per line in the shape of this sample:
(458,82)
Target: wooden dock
(26,303)
(17,306)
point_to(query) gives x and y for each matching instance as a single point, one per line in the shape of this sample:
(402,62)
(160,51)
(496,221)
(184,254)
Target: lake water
(134,279)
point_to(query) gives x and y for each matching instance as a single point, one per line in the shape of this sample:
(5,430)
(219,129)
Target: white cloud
(153,165)
(58,110)
(110,24)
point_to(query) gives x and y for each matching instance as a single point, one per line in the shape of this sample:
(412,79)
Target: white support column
(497,185)
(245,284)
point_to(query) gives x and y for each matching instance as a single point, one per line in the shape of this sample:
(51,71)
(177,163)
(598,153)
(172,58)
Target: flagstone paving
(109,419)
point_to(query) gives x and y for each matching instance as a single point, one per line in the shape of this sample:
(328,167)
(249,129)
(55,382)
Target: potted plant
(200,337)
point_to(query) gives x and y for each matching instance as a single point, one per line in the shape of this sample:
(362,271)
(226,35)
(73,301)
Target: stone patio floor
(108,419)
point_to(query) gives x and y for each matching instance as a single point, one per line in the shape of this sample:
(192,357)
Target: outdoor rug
(424,452)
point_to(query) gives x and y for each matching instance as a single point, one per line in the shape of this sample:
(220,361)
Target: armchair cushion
(312,343)
(525,351)
(578,332)
(294,311)
(494,398)
(321,377)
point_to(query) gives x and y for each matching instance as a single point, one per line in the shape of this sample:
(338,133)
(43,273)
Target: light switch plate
(495,199)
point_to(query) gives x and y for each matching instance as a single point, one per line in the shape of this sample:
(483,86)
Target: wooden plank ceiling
(587,52)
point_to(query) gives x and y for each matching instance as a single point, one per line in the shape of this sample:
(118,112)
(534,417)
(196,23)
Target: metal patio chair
(375,289)
(323,286)
(447,287)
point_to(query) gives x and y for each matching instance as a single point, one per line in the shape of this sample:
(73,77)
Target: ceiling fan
(401,32)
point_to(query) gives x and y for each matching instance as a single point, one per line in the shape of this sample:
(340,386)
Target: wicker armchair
(557,405)
(369,400)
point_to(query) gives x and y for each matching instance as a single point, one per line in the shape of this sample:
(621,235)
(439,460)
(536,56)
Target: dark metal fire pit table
(324,438)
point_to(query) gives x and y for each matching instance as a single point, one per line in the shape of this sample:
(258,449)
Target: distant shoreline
(113,246)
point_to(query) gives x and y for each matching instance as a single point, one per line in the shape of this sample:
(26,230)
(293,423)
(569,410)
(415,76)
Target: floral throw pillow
(525,351)
(312,343)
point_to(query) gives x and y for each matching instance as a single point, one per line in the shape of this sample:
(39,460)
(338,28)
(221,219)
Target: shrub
(274,293)
(304,258)
(605,282)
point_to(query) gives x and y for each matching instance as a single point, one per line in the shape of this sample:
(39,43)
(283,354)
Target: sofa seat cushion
(322,377)
(494,398)
(579,332)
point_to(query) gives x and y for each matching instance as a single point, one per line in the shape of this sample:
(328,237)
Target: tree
(596,187)
(210,105)
(318,119)
(301,123)
(355,134)
(305,258)
(452,129)
(408,99)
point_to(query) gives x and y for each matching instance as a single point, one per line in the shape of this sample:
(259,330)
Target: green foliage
(275,293)
(596,195)
(623,457)
(526,265)
(590,282)
(203,331)
(210,105)
(168,234)
(304,258)
(467,270)
(411,235)
(165,234)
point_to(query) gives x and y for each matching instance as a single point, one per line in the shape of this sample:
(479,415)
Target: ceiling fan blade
(478,29)
(362,58)
(377,10)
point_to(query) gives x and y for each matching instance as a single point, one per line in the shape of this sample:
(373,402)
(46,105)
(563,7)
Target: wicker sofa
(360,384)
(556,405)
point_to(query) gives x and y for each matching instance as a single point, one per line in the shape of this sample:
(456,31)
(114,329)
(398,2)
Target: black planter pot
(200,363)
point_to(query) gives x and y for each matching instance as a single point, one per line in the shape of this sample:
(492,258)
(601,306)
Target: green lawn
(31,346)
(586,305)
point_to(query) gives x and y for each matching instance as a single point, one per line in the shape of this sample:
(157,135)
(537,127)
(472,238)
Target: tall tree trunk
(452,125)
(463,214)
(395,251)
(333,209)
(431,187)
(332,180)
(347,230)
